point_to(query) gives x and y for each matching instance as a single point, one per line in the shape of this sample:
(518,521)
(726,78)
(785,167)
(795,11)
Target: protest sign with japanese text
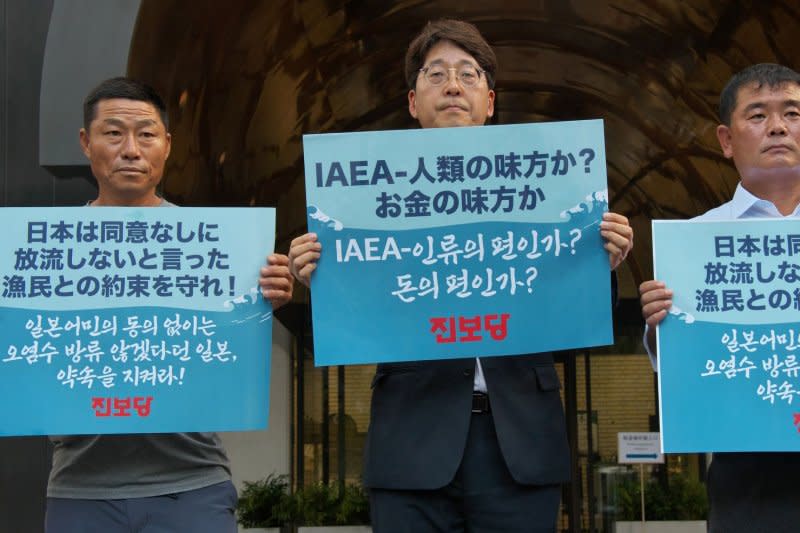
(131,320)
(455,242)
(729,374)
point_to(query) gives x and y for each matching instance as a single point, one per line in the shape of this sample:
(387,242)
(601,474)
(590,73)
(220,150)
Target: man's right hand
(304,253)
(656,299)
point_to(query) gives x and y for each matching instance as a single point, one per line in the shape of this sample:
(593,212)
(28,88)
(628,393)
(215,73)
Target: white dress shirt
(743,205)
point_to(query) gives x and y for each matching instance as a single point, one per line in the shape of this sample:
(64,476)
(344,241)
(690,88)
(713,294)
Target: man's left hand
(618,234)
(275,281)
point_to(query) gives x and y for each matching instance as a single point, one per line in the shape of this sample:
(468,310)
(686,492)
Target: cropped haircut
(462,34)
(122,87)
(762,74)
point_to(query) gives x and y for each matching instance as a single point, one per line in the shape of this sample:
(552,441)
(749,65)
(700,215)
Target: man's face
(127,145)
(450,104)
(764,136)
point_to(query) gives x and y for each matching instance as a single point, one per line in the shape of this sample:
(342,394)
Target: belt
(480,403)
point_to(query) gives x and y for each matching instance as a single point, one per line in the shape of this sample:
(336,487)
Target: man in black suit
(464,444)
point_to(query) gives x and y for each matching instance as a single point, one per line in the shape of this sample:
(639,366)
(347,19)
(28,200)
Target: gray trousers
(207,510)
(482,498)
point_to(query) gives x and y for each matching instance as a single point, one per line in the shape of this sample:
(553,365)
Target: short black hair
(462,34)
(122,87)
(762,74)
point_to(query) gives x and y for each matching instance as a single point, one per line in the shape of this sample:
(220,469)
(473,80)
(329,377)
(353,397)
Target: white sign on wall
(639,447)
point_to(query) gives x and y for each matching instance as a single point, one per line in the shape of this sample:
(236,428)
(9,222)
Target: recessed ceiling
(246,79)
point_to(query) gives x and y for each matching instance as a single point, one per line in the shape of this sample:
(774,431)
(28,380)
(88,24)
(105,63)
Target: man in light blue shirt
(760,130)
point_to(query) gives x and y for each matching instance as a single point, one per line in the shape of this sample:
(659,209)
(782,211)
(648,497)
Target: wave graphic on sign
(681,314)
(593,201)
(317,214)
(242,298)
(247,299)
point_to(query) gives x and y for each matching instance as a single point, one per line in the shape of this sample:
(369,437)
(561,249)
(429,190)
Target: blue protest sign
(133,320)
(458,242)
(728,368)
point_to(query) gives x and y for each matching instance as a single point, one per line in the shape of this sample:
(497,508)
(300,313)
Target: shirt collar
(745,204)
(163,203)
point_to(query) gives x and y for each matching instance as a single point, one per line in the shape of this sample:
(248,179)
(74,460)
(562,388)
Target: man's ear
(412,103)
(725,140)
(169,145)
(490,107)
(84,138)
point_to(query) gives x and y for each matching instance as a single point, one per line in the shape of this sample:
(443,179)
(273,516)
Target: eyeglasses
(467,75)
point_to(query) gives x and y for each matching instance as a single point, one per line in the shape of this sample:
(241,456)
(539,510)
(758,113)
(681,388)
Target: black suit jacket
(421,411)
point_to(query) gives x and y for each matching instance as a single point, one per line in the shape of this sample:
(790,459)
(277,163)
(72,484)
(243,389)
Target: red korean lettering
(469,325)
(122,407)
(443,324)
(142,405)
(497,330)
(101,406)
